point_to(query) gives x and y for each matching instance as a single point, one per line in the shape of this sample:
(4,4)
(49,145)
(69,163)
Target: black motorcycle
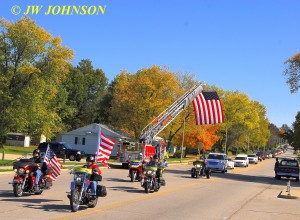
(200,169)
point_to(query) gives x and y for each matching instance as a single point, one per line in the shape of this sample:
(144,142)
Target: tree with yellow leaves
(33,65)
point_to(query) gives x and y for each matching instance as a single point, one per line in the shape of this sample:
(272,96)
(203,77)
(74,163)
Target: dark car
(259,155)
(62,150)
(287,168)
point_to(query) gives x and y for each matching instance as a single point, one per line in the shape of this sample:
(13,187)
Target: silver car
(217,162)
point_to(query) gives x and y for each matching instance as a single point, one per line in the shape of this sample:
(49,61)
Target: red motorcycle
(135,170)
(24,179)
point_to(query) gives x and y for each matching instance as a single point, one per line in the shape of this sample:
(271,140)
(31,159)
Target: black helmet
(36,151)
(155,157)
(90,159)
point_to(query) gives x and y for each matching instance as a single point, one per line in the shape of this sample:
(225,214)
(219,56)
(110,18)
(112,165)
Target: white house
(86,138)
(17,139)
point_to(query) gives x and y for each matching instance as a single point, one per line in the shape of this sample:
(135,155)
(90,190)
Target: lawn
(17,150)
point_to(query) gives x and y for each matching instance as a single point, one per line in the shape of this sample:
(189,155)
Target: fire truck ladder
(168,115)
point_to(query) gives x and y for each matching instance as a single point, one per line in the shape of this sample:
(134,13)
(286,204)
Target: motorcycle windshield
(81,170)
(25,162)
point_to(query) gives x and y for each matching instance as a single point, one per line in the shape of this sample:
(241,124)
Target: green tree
(296,134)
(292,72)
(33,65)
(86,87)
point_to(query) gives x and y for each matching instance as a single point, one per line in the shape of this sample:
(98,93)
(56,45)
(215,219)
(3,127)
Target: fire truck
(148,143)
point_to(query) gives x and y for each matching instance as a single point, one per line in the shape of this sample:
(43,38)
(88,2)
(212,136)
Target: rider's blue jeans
(93,187)
(38,176)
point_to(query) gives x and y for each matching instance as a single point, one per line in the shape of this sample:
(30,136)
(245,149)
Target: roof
(93,129)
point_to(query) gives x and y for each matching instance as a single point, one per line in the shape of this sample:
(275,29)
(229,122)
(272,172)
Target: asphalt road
(242,193)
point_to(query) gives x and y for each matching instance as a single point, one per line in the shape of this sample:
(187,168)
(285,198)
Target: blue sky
(233,44)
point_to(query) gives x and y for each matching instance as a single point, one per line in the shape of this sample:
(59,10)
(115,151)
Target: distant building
(17,139)
(86,138)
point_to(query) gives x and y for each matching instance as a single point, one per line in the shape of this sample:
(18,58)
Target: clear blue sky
(233,44)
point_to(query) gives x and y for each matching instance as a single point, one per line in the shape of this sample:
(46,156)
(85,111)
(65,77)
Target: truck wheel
(72,157)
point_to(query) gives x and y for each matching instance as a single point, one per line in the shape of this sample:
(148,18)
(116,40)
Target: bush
(177,154)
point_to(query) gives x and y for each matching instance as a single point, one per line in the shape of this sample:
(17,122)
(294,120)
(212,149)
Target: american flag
(53,163)
(208,108)
(104,151)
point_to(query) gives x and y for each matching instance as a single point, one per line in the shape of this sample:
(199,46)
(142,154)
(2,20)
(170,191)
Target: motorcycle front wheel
(147,187)
(18,191)
(132,177)
(75,200)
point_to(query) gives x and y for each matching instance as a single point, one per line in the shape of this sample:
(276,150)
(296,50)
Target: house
(86,138)
(17,139)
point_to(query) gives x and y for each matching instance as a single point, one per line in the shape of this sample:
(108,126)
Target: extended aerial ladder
(168,115)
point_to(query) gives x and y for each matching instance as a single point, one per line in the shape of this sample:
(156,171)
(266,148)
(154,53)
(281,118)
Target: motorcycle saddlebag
(101,191)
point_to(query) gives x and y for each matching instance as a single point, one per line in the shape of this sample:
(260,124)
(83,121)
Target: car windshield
(68,146)
(289,163)
(240,158)
(251,155)
(216,156)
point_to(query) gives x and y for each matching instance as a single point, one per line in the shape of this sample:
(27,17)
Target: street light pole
(182,138)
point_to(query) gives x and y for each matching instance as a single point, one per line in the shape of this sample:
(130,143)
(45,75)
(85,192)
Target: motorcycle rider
(276,165)
(40,170)
(96,174)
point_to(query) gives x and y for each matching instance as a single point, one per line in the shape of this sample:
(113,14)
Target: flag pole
(46,152)
(98,143)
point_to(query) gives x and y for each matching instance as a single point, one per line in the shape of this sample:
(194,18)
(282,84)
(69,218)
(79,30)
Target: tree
(292,72)
(86,87)
(141,97)
(296,136)
(274,136)
(33,65)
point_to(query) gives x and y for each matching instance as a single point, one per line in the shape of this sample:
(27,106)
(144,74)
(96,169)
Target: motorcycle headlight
(78,152)
(198,165)
(27,171)
(149,171)
(78,180)
(134,166)
(21,170)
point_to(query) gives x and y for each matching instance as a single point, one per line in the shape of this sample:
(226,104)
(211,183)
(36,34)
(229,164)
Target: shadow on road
(239,177)
(126,189)
(52,207)
(118,180)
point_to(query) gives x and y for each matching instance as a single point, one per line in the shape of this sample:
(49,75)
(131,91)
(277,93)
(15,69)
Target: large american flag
(53,163)
(208,108)
(104,150)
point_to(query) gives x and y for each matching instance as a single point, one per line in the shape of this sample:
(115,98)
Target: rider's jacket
(96,171)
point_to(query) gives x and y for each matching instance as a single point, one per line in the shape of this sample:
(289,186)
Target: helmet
(90,159)
(155,157)
(36,151)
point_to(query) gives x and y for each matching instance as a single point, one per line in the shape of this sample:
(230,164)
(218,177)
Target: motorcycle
(80,187)
(24,178)
(135,170)
(200,169)
(150,180)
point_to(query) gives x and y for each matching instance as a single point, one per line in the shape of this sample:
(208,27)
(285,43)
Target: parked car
(241,160)
(259,156)
(288,168)
(252,158)
(193,151)
(62,150)
(230,163)
(217,162)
